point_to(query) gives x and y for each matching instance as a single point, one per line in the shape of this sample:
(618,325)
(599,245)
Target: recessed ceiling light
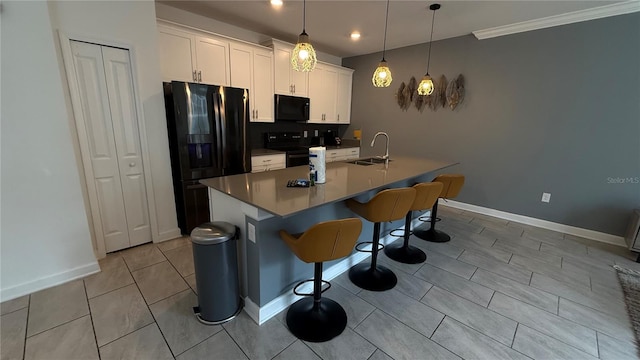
(276,2)
(355,35)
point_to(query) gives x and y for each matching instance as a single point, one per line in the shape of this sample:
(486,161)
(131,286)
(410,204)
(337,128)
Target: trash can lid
(213,233)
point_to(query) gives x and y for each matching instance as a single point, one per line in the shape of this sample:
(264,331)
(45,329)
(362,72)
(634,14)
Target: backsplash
(257,130)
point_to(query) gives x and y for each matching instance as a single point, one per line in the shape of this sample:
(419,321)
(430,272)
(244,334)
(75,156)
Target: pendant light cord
(433,19)
(384,43)
(304,16)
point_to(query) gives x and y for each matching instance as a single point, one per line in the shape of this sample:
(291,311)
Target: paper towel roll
(317,163)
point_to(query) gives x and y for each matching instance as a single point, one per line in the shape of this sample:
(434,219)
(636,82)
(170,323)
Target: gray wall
(554,110)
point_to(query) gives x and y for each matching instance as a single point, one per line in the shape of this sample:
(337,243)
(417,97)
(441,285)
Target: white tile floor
(497,290)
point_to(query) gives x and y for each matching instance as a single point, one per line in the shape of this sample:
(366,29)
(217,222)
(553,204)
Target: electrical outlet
(251,233)
(546,197)
(315,132)
(305,133)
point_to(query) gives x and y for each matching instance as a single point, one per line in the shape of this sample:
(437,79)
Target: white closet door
(109,212)
(127,138)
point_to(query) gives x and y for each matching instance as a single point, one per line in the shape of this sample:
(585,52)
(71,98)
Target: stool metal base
(431,235)
(322,323)
(377,278)
(407,255)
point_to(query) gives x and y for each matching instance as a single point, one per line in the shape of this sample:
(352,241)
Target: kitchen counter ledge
(268,190)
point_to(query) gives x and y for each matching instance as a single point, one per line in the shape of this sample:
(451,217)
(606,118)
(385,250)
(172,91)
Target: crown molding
(620,8)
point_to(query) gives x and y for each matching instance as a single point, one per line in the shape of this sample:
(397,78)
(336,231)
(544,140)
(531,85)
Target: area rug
(630,281)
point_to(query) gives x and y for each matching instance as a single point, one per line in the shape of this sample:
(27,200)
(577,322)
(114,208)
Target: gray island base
(261,204)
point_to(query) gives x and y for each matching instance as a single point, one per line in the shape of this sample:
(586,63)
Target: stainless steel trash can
(216,265)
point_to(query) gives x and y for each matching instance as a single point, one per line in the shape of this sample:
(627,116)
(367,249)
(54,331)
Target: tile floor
(497,290)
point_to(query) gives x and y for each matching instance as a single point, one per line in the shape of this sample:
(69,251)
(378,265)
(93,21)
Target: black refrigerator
(208,137)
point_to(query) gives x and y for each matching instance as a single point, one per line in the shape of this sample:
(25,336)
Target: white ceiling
(329,23)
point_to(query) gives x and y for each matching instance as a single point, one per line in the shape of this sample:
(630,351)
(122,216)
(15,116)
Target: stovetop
(285,141)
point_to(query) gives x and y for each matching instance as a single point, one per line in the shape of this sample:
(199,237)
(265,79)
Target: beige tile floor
(498,290)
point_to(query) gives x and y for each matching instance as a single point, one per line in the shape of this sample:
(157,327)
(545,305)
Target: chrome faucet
(386,151)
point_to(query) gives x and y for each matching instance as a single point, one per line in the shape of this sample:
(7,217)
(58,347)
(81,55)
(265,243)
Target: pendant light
(426,85)
(382,75)
(303,57)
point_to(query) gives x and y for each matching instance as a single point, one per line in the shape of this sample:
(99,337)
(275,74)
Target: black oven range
(289,142)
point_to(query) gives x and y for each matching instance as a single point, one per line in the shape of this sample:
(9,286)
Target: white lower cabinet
(342,154)
(268,162)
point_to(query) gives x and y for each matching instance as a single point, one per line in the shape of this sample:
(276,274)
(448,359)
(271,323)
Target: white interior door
(127,138)
(110,144)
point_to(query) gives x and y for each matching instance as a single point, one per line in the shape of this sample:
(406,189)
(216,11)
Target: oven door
(297,159)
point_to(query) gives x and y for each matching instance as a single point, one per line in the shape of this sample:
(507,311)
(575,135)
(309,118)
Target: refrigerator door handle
(217,124)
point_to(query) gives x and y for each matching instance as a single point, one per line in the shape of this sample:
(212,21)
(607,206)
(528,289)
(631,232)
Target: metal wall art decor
(406,94)
(455,92)
(445,94)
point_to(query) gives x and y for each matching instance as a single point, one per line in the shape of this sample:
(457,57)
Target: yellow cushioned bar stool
(426,196)
(451,186)
(320,319)
(387,205)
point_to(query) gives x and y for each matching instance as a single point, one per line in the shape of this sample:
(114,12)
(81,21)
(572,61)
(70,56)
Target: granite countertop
(260,152)
(268,190)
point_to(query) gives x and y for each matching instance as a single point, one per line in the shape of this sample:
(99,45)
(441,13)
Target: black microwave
(291,108)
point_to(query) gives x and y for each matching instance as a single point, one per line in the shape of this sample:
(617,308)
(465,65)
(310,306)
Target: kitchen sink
(368,161)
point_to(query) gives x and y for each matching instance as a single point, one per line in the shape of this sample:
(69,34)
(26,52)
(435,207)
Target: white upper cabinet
(195,56)
(330,94)
(287,81)
(252,68)
(343,100)
(185,56)
(177,54)
(212,61)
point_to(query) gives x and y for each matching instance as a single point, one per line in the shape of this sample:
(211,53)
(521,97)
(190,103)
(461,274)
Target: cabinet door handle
(338,117)
(132,164)
(195,75)
(256,113)
(199,76)
(294,88)
(253,113)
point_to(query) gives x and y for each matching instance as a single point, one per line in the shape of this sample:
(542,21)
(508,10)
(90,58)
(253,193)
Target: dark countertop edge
(262,152)
(334,201)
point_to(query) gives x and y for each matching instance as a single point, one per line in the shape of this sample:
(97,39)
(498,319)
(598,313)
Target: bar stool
(426,196)
(387,205)
(452,184)
(320,319)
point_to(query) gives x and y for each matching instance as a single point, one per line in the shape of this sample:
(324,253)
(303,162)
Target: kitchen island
(261,204)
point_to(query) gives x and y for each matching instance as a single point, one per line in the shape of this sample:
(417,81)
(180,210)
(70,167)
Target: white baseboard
(168,235)
(549,225)
(275,306)
(48,281)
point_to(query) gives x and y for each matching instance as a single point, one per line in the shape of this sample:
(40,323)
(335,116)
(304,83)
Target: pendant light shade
(382,75)
(303,57)
(426,85)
